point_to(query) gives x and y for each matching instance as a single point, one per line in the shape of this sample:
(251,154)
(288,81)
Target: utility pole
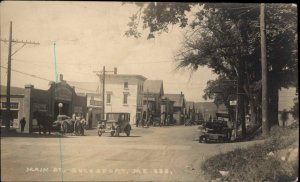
(10,54)
(103,87)
(264,72)
(103,93)
(147,106)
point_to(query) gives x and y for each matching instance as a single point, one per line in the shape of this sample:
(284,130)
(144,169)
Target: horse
(44,121)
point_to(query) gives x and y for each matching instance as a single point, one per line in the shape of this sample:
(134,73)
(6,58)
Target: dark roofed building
(178,107)
(153,92)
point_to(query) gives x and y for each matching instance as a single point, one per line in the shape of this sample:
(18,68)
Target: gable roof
(189,104)
(153,86)
(177,98)
(13,90)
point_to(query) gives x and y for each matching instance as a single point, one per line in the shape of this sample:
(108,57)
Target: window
(108,98)
(125,99)
(126,85)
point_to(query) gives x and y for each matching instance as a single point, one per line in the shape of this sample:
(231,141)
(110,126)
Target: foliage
(225,37)
(252,163)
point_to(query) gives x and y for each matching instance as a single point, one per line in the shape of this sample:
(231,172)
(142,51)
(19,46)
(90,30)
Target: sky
(88,36)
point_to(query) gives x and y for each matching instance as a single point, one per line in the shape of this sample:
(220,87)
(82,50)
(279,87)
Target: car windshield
(112,116)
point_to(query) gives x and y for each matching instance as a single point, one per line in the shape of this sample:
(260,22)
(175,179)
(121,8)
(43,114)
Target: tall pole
(56,79)
(147,105)
(8,116)
(103,93)
(264,72)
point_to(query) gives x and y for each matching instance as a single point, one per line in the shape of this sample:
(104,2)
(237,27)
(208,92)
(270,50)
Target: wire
(45,79)
(34,76)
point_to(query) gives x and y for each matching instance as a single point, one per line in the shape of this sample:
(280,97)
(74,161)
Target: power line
(45,79)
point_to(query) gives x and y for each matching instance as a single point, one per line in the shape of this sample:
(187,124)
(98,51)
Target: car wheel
(112,133)
(128,133)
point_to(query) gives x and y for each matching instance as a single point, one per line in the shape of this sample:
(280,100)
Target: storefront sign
(232,102)
(63,93)
(95,103)
(13,105)
(40,107)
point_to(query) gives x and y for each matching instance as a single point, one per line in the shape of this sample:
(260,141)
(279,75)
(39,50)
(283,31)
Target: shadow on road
(31,135)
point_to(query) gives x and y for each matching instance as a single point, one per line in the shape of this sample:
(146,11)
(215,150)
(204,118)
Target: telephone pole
(10,54)
(103,93)
(103,86)
(264,72)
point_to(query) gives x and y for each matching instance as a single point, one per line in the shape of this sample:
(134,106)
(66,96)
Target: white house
(124,93)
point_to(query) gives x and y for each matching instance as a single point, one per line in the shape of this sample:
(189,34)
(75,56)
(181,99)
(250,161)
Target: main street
(149,154)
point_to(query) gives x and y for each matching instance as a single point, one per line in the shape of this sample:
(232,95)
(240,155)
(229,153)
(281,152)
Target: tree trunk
(273,106)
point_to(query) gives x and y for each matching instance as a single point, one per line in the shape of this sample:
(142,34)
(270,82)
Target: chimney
(61,77)
(115,71)
(181,94)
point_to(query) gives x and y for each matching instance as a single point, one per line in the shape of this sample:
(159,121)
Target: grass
(253,164)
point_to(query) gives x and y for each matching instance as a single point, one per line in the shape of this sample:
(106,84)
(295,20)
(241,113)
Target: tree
(225,38)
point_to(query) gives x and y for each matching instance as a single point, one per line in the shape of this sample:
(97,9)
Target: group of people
(78,123)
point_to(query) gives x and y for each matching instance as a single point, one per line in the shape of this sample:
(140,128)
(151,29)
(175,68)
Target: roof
(124,76)
(189,104)
(13,90)
(85,87)
(153,86)
(178,98)
(210,106)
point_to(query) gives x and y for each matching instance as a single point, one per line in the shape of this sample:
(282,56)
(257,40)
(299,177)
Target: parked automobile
(216,130)
(115,124)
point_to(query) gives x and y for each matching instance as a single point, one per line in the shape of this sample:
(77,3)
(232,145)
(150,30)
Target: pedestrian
(229,129)
(23,123)
(82,124)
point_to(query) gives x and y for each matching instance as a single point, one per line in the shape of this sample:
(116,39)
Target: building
(190,110)
(94,100)
(153,92)
(178,107)
(124,93)
(167,106)
(208,109)
(286,101)
(25,101)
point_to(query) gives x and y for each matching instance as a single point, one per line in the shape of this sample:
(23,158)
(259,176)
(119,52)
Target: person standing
(229,129)
(23,123)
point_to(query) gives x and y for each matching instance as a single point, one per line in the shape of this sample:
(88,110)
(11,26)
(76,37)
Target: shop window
(125,99)
(108,98)
(125,85)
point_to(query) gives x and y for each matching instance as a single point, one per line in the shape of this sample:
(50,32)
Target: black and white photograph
(149,91)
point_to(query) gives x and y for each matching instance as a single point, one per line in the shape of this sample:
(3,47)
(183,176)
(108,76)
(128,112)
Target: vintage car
(217,130)
(115,124)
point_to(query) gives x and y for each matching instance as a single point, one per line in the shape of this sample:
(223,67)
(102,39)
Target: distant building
(286,101)
(190,110)
(124,93)
(153,92)
(208,109)
(178,107)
